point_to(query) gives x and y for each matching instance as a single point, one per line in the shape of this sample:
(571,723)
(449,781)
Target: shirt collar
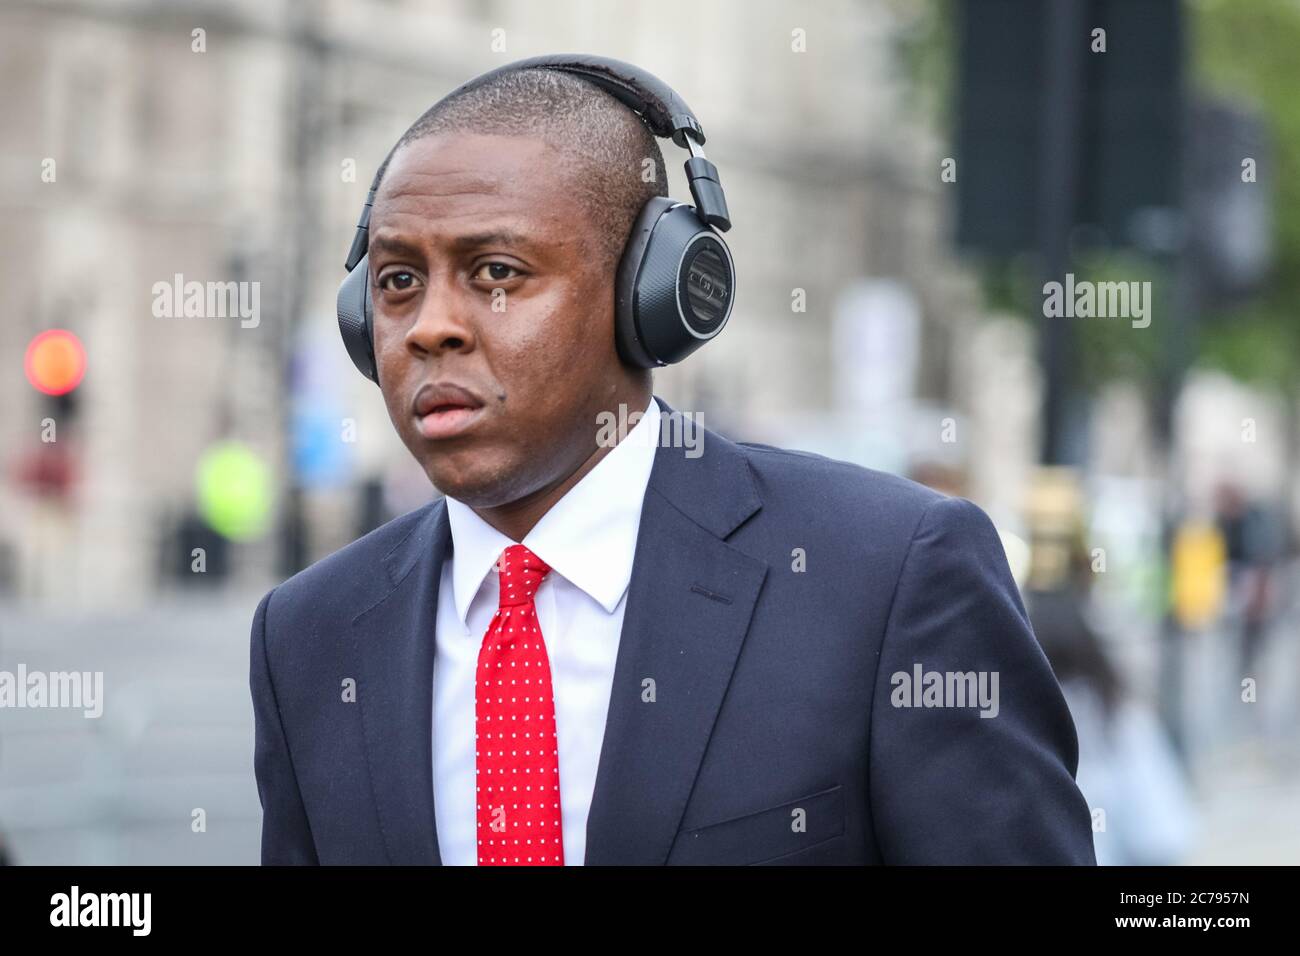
(588,537)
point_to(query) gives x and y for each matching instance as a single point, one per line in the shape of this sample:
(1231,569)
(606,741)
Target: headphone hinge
(361,239)
(706,190)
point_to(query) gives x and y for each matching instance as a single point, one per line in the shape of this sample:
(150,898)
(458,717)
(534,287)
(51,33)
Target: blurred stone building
(234,141)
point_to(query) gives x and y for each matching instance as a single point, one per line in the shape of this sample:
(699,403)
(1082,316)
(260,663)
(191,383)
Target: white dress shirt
(589,539)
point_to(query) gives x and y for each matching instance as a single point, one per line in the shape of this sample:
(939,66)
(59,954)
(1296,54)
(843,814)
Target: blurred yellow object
(234,491)
(1198,573)
(1055,512)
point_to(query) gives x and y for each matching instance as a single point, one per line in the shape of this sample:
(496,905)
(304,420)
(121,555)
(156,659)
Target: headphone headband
(655,101)
(658,104)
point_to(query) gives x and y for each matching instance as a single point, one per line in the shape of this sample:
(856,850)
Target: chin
(478,484)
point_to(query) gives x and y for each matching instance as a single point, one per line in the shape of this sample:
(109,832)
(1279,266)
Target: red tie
(514,709)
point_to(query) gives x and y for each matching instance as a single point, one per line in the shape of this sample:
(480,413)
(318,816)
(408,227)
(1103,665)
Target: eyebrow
(404,247)
(392,245)
(494,238)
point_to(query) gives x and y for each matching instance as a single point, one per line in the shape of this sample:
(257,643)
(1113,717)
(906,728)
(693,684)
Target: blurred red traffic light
(55,362)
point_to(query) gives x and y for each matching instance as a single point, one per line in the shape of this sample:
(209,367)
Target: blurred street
(177,735)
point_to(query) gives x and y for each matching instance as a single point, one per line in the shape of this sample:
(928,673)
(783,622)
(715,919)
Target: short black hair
(616,160)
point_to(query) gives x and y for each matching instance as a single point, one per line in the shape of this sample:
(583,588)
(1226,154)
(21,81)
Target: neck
(517,518)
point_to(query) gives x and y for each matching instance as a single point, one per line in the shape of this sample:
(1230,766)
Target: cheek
(390,352)
(546,346)
(395,367)
(581,326)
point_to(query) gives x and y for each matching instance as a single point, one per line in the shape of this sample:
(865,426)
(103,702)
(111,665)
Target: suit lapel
(688,609)
(689,605)
(393,647)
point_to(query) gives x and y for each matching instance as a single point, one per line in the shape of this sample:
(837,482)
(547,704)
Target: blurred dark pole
(1164,233)
(1219,256)
(1176,350)
(307,122)
(1065,32)
(1067,120)
(371,510)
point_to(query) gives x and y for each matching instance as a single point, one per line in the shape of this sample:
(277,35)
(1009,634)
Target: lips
(443,409)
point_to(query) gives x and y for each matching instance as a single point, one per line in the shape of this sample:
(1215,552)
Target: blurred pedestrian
(1141,801)
(1254,540)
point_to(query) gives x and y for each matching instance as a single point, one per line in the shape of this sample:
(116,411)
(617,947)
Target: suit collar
(392,654)
(703,475)
(588,537)
(689,605)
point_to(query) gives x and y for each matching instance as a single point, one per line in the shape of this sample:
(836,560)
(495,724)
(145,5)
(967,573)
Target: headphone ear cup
(674,288)
(355,325)
(627,336)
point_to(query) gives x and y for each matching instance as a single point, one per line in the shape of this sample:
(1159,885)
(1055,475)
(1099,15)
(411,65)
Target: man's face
(493,315)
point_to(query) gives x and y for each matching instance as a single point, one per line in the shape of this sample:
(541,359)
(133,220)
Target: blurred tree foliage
(1243,50)
(1249,51)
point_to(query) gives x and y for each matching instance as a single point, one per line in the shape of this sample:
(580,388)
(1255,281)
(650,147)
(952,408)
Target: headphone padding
(353,306)
(627,336)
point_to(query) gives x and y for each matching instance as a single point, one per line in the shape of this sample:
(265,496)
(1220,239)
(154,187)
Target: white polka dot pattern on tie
(518,791)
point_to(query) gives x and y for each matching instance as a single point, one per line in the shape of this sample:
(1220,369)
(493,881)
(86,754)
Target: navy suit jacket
(774,597)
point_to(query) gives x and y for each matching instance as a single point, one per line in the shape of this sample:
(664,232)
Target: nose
(444,323)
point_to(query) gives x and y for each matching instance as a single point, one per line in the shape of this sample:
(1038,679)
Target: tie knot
(521,574)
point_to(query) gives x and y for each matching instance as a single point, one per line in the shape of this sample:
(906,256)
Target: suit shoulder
(338,577)
(830,483)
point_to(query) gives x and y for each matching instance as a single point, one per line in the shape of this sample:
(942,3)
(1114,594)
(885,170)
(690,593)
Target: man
(710,650)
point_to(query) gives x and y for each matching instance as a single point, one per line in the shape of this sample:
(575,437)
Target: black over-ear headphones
(675,281)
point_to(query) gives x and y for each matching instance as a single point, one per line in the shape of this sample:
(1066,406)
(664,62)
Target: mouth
(444,410)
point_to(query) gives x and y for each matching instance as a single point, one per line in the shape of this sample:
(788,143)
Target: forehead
(451,179)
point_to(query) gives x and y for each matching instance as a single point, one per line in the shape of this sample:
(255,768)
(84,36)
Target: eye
(398,280)
(495,272)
